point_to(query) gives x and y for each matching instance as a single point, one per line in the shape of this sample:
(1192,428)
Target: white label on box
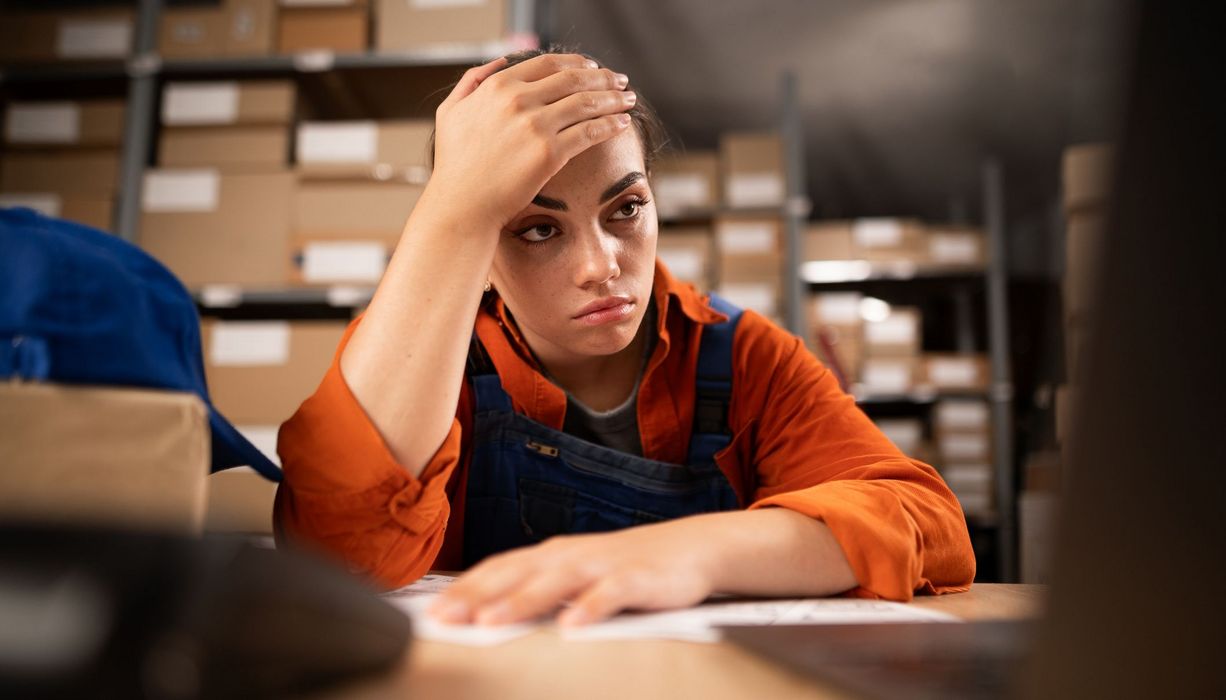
(45,203)
(445,4)
(970,446)
(181,191)
(685,263)
(249,343)
(886,376)
(315,3)
(953,371)
(264,437)
(757,297)
(896,329)
(200,104)
(747,237)
(970,477)
(755,190)
(877,233)
(93,38)
(952,414)
(338,142)
(905,433)
(838,307)
(954,248)
(44,122)
(357,261)
(677,192)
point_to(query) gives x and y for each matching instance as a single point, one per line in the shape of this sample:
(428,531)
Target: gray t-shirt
(617,428)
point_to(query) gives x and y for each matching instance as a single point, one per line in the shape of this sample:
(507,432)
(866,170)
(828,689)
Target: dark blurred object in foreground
(113,614)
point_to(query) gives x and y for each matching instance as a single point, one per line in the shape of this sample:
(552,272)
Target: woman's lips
(605,310)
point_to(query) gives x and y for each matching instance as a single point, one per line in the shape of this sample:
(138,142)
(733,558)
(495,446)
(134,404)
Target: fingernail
(623,119)
(629,98)
(621,79)
(449,610)
(494,614)
(591,64)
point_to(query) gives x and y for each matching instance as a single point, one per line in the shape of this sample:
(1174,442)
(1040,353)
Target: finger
(474,589)
(609,596)
(473,77)
(568,82)
(586,106)
(576,139)
(539,596)
(542,66)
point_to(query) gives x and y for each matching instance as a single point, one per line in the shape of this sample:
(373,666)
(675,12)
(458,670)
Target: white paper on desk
(416,597)
(700,624)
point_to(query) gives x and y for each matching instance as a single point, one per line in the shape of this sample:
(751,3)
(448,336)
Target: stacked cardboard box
(686,185)
(753,170)
(225,28)
(358,184)
(894,241)
(408,26)
(688,253)
(892,340)
(68,35)
(836,333)
(962,428)
(751,262)
(1086,175)
(217,209)
(62,158)
(955,372)
(340,26)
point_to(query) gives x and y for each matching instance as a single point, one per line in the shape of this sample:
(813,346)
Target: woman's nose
(597,259)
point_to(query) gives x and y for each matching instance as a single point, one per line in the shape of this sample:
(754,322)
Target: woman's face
(575,267)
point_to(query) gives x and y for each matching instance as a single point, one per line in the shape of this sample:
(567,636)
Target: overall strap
(713,385)
(488,394)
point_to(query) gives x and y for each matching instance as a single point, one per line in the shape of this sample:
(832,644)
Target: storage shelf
(64,71)
(230,296)
(920,395)
(818,272)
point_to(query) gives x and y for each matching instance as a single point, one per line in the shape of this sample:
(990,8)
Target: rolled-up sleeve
(815,452)
(345,493)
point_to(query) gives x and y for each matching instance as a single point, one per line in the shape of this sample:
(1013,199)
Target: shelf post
(138,119)
(796,204)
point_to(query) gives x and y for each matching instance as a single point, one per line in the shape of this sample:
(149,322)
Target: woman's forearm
(405,361)
(772,552)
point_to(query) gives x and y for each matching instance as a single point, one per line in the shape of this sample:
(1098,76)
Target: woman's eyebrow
(617,187)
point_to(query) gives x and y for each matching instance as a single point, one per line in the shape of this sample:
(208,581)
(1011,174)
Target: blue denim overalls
(528,482)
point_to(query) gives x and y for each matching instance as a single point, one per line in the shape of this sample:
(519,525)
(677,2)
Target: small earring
(487,285)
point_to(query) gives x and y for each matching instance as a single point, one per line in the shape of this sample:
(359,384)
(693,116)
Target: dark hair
(647,124)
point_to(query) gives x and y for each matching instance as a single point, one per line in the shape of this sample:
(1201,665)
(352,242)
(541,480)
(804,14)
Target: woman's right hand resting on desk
(500,136)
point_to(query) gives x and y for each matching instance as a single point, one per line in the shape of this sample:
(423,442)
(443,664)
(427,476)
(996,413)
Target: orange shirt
(799,442)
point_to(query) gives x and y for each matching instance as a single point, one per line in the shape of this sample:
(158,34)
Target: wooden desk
(542,666)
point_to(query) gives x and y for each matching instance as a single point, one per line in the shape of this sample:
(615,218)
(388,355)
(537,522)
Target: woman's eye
(539,233)
(629,210)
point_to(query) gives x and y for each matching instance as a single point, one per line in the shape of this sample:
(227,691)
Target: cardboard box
(956,245)
(753,170)
(330,261)
(1085,242)
(341,26)
(215,228)
(407,26)
(907,434)
(836,331)
(1042,471)
(383,150)
(762,296)
(191,32)
(259,372)
(829,241)
(887,375)
(230,148)
(88,172)
(1036,513)
(228,103)
(973,484)
(250,28)
(64,123)
(964,446)
(890,240)
(962,415)
(1087,172)
(956,371)
(687,253)
(92,34)
(128,458)
(97,211)
(894,335)
(343,210)
(240,500)
(749,251)
(686,185)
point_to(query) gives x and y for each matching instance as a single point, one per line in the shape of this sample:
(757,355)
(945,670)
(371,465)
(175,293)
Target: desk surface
(542,666)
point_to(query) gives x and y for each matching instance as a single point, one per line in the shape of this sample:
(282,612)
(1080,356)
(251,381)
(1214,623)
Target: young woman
(530,396)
